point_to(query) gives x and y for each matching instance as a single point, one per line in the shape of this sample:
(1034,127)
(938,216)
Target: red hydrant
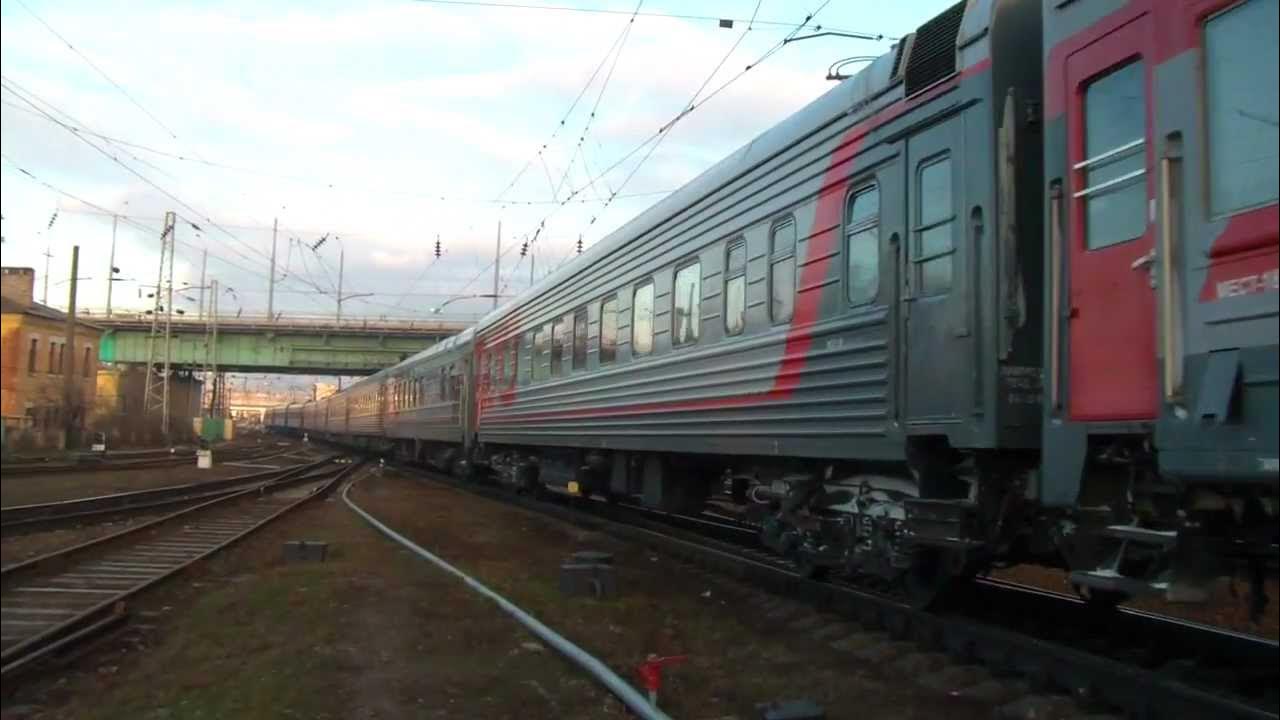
(651,673)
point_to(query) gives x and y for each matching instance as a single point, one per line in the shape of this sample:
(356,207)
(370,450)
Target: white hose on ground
(623,690)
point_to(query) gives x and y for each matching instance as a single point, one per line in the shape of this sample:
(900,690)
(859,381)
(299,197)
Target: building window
(782,270)
(53,358)
(559,343)
(1240,74)
(541,368)
(608,330)
(642,319)
(580,339)
(862,244)
(735,288)
(31,356)
(1113,170)
(84,367)
(934,246)
(686,321)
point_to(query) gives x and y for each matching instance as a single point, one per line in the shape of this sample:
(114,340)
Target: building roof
(35,309)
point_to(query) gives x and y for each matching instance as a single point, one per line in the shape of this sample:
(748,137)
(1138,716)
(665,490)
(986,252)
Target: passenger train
(1008,295)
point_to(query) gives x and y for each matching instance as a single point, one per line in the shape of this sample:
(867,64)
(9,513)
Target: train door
(468,390)
(937,378)
(1112,369)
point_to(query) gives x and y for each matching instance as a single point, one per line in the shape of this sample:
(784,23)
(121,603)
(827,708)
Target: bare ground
(738,656)
(375,632)
(370,633)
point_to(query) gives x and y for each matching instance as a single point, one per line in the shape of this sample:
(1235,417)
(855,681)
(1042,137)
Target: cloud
(359,117)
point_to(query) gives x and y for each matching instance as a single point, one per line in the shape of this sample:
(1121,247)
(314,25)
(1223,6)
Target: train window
(559,341)
(1114,166)
(735,288)
(513,350)
(530,368)
(580,339)
(541,369)
(608,330)
(782,270)
(862,243)
(1240,75)
(934,244)
(686,321)
(642,319)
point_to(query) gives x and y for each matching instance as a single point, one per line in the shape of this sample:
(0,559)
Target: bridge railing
(444,322)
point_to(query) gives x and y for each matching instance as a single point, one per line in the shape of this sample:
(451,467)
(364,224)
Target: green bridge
(311,346)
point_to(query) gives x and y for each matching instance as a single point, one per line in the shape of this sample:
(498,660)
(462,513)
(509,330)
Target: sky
(378,126)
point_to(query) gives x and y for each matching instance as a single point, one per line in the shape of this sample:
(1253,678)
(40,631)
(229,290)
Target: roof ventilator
(933,54)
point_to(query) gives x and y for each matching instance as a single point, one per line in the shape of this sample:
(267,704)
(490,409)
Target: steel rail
(89,622)
(26,469)
(1096,679)
(36,515)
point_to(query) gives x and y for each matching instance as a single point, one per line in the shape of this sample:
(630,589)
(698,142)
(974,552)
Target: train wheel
(808,569)
(928,576)
(1100,599)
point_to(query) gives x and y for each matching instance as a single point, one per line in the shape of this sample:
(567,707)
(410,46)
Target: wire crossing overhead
(694,104)
(722,21)
(617,42)
(99,70)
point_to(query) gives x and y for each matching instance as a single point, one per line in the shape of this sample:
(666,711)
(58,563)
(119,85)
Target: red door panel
(1112,362)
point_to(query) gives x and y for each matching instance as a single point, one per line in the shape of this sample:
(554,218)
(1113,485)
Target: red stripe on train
(823,236)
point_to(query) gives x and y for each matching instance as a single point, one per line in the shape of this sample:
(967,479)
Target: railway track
(17,519)
(93,463)
(53,604)
(1136,663)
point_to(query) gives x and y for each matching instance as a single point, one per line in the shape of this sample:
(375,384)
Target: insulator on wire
(438,247)
(524,248)
(579,244)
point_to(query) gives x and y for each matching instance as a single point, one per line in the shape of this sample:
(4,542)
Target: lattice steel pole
(156,393)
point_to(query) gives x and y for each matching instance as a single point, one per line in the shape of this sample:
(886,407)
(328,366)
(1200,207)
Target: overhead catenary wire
(489,4)
(362,188)
(694,100)
(22,94)
(179,243)
(604,86)
(690,108)
(100,71)
(567,113)
(31,99)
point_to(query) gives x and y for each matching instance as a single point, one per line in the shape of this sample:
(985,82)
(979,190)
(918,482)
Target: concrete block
(305,551)
(594,580)
(792,710)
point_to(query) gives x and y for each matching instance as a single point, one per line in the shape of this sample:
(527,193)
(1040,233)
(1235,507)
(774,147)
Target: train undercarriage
(913,528)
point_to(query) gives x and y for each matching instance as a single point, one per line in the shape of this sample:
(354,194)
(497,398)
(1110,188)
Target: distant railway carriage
(1009,294)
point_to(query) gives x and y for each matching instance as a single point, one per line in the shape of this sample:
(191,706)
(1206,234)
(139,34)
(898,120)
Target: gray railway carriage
(875,327)
(847,303)
(419,407)
(1161,357)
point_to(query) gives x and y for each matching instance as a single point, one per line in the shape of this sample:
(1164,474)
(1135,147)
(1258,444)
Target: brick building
(36,366)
